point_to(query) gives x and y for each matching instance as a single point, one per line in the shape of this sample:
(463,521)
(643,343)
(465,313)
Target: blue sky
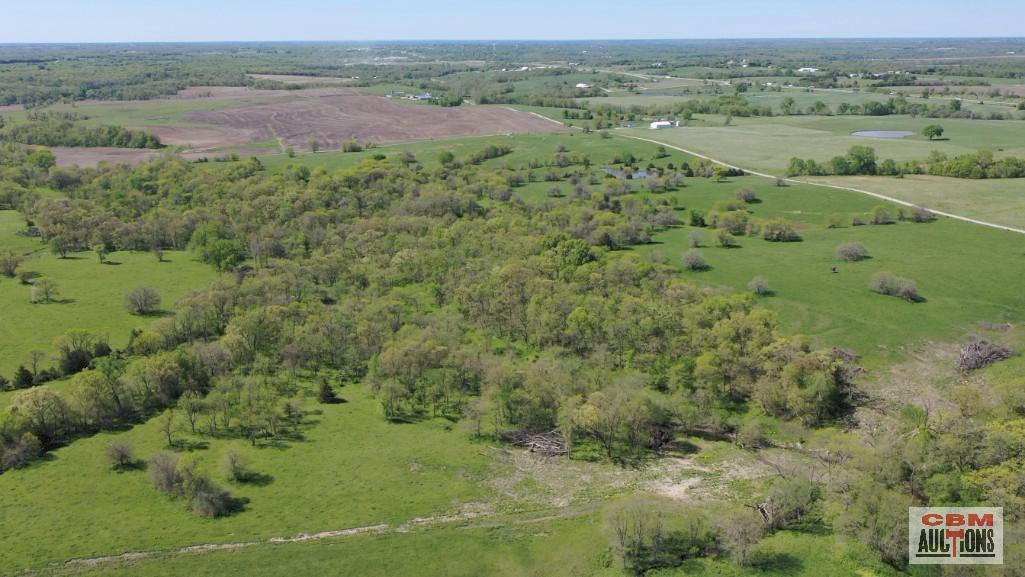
(190,20)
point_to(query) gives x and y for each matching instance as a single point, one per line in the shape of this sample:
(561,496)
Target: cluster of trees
(981,164)
(49,129)
(400,274)
(862,161)
(731,218)
(859,160)
(74,351)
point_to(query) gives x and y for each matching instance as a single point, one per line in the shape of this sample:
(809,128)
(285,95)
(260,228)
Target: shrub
(351,146)
(163,472)
(697,218)
(759,285)
(235,466)
(21,452)
(835,220)
(121,455)
(851,251)
(692,260)
(142,300)
(882,215)
(206,498)
(780,230)
(747,195)
(889,284)
(919,214)
(725,239)
(694,239)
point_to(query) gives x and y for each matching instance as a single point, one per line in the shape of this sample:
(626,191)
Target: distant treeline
(54,129)
(861,161)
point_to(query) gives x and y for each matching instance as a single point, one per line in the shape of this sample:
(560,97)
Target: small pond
(882,133)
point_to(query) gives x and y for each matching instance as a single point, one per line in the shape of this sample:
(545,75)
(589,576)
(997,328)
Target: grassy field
(343,474)
(91,295)
(536,549)
(439,504)
(838,309)
(768,144)
(1000,201)
(525,148)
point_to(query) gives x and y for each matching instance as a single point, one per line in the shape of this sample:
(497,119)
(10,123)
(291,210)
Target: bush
(882,215)
(889,284)
(694,239)
(21,452)
(235,466)
(759,285)
(206,498)
(852,251)
(692,260)
(352,146)
(725,239)
(835,220)
(121,455)
(142,300)
(163,472)
(697,218)
(780,230)
(747,195)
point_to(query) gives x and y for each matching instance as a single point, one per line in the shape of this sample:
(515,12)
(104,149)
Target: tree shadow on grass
(188,445)
(111,263)
(133,465)
(254,478)
(777,563)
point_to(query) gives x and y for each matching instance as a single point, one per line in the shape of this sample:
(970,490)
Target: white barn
(659,125)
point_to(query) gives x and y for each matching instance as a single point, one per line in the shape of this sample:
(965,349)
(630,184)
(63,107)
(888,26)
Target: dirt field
(331,117)
(92,156)
(294,79)
(210,121)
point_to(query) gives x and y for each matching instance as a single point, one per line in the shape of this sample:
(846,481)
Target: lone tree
(759,285)
(9,262)
(121,455)
(142,300)
(692,260)
(933,131)
(44,290)
(851,251)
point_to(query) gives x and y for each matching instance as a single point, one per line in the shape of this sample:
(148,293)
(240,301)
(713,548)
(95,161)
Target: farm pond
(882,133)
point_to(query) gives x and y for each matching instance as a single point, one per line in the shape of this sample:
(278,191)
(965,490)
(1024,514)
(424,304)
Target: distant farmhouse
(807,70)
(585,86)
(659,125)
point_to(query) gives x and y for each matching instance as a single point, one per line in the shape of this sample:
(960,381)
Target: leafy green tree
(932,131)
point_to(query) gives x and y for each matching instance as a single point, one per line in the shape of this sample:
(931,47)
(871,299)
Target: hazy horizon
(120,21)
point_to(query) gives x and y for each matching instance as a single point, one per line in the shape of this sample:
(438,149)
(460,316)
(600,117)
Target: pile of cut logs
(980,353)
(547,443)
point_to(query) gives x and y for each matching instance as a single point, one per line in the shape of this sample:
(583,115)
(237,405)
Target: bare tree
(121,454)
(142,300)
(163,472)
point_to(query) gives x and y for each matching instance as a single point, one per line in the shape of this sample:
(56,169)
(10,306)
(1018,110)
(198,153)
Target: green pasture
(967,273)
(91,296)
(1000,201)
(768,144)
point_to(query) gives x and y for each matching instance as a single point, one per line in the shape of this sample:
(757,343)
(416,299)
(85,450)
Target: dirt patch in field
(67,156)
(298,79)
(334,117)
